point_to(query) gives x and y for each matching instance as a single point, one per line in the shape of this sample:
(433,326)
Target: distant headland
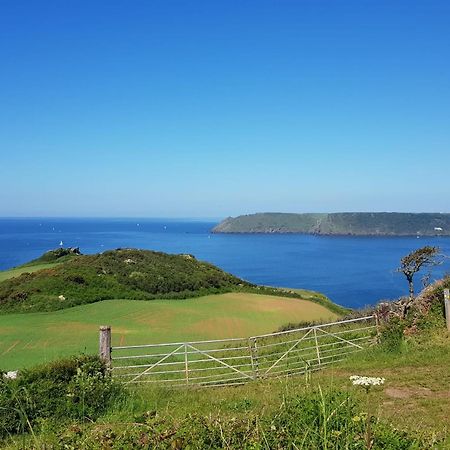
(353,224)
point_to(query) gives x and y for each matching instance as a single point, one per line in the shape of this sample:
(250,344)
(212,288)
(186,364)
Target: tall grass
(160,418)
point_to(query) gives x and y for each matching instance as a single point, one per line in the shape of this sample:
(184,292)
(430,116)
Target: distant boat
(61,243)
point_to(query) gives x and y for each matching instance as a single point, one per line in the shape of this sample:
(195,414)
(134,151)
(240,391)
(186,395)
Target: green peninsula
(355,224)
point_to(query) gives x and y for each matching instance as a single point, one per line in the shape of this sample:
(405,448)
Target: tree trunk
(411,288)
(407,303)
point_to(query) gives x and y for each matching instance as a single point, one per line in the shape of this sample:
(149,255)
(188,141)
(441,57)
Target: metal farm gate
(238,360)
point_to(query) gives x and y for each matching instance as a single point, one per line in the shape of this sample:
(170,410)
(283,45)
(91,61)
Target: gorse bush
(56,255)
(75,388)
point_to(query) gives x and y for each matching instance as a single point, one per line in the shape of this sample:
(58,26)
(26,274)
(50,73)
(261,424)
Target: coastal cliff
(356,224)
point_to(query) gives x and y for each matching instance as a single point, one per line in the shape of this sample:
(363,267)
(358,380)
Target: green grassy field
(27,339)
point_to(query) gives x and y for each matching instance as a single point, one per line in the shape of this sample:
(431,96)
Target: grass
(319,298)
(415,396)
(267,412)
(27,339)
(417,392)
(12,273)
(414,399)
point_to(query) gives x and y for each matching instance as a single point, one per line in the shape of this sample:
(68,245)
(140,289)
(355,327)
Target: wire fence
(239,360)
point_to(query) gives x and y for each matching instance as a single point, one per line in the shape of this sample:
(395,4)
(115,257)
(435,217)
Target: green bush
(392,335)
(75,388)
(430,310)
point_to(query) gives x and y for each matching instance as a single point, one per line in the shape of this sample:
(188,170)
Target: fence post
(447,307)
(104,349)
(317,346)
(254,357)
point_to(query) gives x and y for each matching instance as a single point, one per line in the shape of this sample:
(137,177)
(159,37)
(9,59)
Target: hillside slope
(123,273)
(357,224)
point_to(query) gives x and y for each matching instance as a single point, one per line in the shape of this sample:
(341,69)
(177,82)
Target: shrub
(73,388)
(392,335)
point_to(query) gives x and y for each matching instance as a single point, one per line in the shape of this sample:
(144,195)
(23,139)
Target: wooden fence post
(447,307)
(104,348)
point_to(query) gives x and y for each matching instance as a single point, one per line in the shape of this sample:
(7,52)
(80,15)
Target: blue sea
(352,271)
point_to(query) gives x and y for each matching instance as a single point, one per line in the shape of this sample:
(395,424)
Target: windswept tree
(412,263)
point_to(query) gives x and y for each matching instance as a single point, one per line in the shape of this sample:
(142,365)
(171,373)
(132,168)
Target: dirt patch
(419,392)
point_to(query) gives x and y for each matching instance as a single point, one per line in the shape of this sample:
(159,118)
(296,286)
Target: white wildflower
(11,375)
(366,382)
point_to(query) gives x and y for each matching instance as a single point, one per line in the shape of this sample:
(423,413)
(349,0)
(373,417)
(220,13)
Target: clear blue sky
(220,107)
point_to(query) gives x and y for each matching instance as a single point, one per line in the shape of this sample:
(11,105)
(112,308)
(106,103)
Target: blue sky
(216,108)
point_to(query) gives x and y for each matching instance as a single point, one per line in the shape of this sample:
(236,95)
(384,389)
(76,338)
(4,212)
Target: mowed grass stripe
(27,339)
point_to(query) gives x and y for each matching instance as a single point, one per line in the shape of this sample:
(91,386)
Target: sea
(352,271)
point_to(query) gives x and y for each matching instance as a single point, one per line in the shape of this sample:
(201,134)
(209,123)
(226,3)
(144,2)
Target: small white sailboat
(61,244)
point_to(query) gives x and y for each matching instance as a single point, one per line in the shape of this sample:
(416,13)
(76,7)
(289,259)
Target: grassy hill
(60,280)
(358,224)
(62,292)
